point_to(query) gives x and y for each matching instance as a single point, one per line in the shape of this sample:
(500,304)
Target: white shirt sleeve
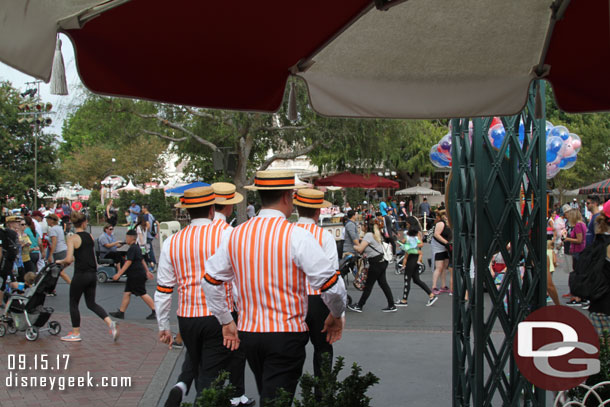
(218,270)
(166,281)
(322,274)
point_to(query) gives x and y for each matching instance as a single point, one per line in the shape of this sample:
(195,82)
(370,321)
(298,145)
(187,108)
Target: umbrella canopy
(418,190)
(418,59)
(179,191)
(130,187)
(601,187)
(349,180)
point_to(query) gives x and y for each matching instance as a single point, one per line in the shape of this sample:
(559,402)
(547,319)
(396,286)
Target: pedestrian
(550,225)
(35,243)
(111,213)
(593,202)
(256,254)
(137,273)
(109,246)
(424,208)
(141,227)
(372,248)
(352,237)
(151,234)
(250,211)
(14,223)
(58,249)
(599,311)
(308,203)
(383,207)
(81,251)
(412,247)
(577,242)
(182,265)
(134,211)
(38,220)
(440,252)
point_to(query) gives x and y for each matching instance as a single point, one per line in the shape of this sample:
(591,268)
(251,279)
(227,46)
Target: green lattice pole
(498,204)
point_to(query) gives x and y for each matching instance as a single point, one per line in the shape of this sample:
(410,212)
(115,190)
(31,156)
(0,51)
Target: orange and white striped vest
(189,249)
(317,233)
(272,290)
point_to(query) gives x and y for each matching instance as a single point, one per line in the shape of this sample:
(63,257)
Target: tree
(17,142)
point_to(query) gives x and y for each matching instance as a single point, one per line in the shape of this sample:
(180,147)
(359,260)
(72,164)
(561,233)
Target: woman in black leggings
(372,248)
(84,281)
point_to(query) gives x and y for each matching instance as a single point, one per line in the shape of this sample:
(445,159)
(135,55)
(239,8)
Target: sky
(62,105)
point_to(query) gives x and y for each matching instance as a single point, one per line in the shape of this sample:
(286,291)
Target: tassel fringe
(292,103)
(59,84)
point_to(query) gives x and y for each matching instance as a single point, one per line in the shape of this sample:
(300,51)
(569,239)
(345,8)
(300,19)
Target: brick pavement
(137,355)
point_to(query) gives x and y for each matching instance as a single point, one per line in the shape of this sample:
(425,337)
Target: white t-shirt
(58,232)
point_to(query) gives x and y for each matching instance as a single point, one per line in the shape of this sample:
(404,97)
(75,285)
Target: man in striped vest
(308,203)
(271,261)
(181,264)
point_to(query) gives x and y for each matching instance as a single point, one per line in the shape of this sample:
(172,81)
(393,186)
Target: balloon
(445,142)
(560,131)
(521,133)
(554,144)
(496,135)
(568,162)
(551,170)
(495,121)
(470,130)
(436,158)
(576,142)
(549,127)
(550,156)
(568,149)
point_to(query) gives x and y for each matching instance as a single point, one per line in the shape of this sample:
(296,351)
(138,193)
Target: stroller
(348,265)
(26,312)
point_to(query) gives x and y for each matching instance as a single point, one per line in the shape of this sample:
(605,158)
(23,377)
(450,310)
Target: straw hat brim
(197,205)
(256,188)
(233,201)
(324,204)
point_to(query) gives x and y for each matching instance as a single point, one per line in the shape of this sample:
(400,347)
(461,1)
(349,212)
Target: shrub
(578,393)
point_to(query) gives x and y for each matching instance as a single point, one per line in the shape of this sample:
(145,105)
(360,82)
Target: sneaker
(354,307)
(71,337)
(431,300)
(400,303)
(175,397)
(549,299)
(574,303)
(445,290)
(436,291)
(389,309)
(52,294)
(153,315)
(117,314)
(450,293)
(586,304)
(114,331)
(242,401)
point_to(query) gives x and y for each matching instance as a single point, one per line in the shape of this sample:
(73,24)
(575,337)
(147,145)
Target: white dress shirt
(329,245)
(306,254)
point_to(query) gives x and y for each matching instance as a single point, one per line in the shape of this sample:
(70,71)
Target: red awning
(349,180)
(601,187)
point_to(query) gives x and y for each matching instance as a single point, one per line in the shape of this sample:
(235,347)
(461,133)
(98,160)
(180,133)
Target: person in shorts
(137,273)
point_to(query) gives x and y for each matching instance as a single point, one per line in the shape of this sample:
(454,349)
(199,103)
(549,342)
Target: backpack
(588,279)
(153,226)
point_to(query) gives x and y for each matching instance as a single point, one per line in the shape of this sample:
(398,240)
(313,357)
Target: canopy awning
(419,59)
(601,188)
(179,191)
(349,180)
(417,190)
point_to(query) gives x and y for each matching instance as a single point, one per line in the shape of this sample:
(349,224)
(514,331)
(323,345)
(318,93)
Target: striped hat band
(191,200)
(274,182)
(314,201)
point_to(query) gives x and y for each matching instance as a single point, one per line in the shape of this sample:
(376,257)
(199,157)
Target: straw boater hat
(274,179)
(225,194)
(196,197)
(310,198)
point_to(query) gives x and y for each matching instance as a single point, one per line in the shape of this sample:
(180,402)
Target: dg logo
(556,348)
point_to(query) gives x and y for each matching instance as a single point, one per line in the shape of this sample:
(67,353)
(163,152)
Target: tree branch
(283,128)
(154,133)
(226,120)
(289,155)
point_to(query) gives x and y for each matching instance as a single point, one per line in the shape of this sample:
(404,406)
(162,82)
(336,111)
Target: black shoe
(244,401)
(585,304)
(175,397)
(153,315)
(574,303)
(117,314)
(354,307)
(389,309)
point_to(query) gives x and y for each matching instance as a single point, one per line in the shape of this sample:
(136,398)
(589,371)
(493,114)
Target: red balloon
(439,149)
(496,120)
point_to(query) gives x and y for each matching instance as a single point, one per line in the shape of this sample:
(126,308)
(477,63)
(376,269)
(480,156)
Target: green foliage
(219,394)
(578,393)
(160,206)
(17,151)
(95,201)
(355,196)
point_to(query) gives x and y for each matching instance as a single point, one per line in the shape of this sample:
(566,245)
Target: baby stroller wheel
(31,334)
(2,330)
(102,277)
(54,327)
(12,328)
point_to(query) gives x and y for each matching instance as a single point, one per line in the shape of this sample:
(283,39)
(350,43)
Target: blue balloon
(570,159)
(560,131)
(554,144)
(549,127)
(562,163)
(550,156)
(498,142)
(497,133)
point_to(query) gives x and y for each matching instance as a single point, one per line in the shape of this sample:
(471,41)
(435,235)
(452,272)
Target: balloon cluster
(562,147)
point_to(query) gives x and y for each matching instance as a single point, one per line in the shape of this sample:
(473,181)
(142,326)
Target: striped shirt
(271,261)
(182,264)
(326,241)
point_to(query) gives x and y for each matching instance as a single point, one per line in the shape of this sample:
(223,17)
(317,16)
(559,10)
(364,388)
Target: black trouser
(412,272)
(84,283)
(117,257)
(187,374)
(34,257)
(276,359)
(376,274)
(317,312)
(208,356)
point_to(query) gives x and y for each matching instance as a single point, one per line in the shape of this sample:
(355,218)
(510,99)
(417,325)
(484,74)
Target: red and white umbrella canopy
(420,58)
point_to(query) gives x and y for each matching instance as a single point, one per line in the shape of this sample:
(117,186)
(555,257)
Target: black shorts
(136,284)
(441,256)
